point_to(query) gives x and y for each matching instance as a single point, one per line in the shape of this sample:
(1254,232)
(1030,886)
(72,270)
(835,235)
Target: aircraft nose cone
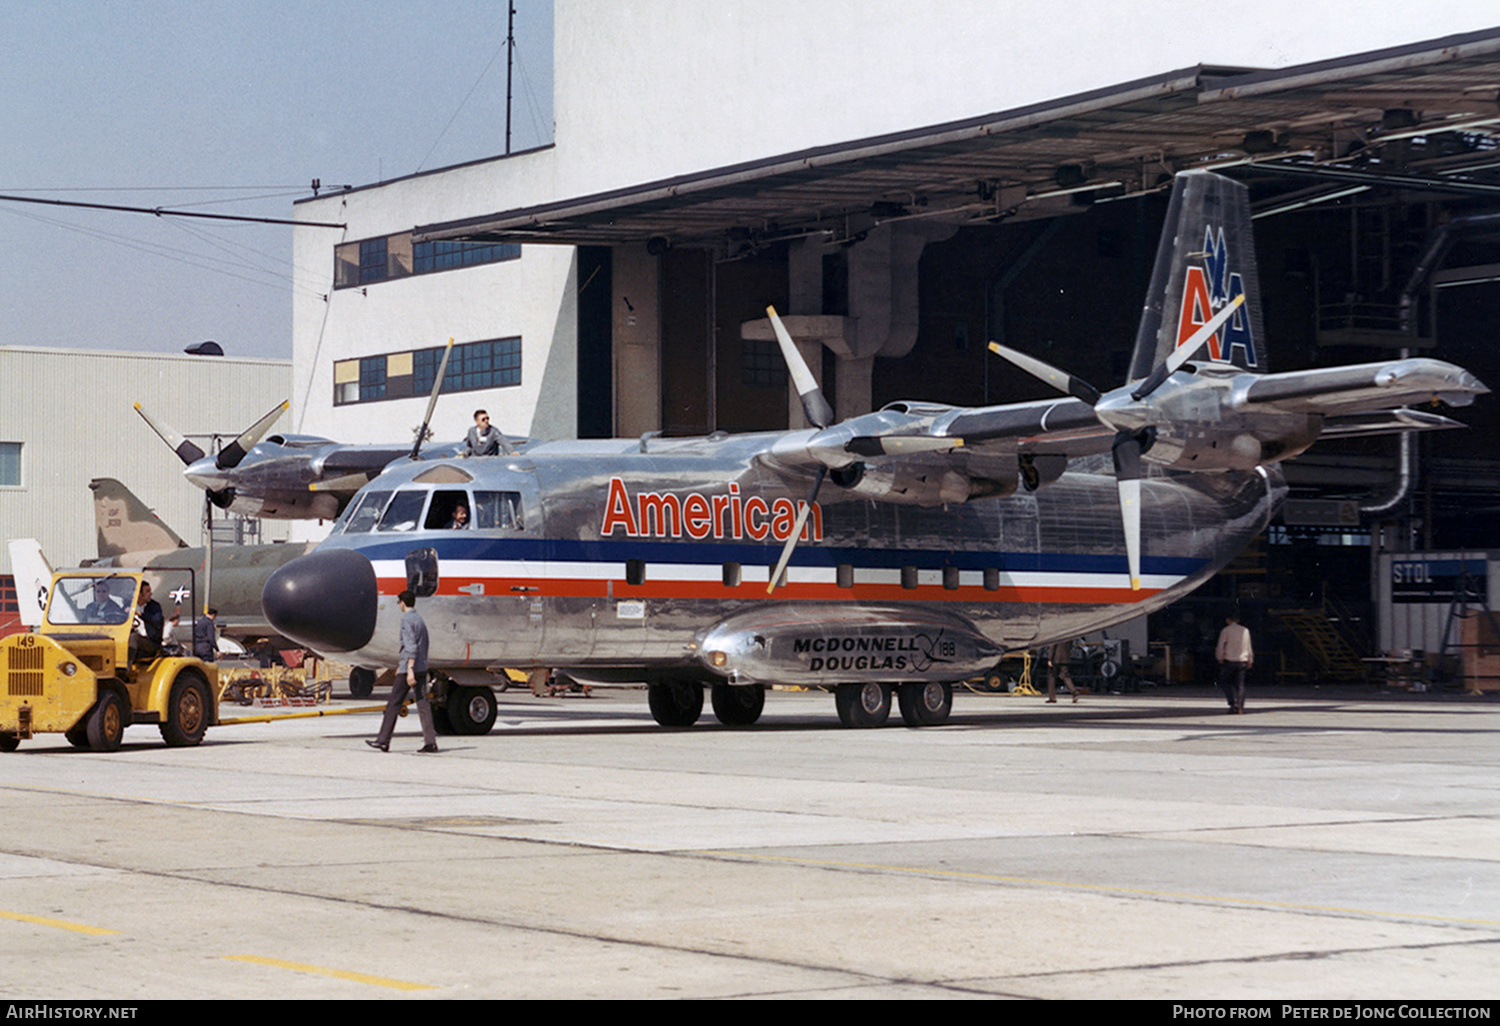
(326,600)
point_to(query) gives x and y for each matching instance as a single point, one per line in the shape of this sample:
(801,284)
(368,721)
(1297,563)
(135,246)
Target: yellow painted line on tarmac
(61,924)
(338,974)
(1099,888)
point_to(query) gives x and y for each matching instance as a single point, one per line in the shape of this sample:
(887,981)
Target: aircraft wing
(1335,391)
(1064,426)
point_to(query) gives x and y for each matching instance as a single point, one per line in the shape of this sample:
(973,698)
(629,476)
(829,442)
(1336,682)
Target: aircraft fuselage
(606,560)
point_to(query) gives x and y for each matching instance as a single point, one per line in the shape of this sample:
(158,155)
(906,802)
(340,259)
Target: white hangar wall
(73,413)
(653,88)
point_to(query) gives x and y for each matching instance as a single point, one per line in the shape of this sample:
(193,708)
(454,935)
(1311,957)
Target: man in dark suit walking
(411,676)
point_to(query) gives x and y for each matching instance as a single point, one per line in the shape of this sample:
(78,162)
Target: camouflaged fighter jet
(131,535)
(895,552)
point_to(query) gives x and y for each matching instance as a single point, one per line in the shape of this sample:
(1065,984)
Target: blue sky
(230,107)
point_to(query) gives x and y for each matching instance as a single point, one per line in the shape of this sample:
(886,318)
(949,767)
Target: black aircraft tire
(106,722)
(189,711)
(863,705)
(9,742)
(470,710)
(925,705)
(675,703)
(738,705)
(361,681)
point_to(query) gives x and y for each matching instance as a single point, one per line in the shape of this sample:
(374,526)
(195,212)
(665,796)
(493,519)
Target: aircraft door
(1013,623)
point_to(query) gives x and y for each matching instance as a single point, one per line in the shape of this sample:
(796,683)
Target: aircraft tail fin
(1205,261)
(33,576)
(124,523)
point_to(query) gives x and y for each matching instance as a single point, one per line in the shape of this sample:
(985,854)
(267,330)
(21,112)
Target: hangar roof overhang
(1425,115)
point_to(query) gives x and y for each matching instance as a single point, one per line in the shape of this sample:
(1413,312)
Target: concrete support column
(636,280)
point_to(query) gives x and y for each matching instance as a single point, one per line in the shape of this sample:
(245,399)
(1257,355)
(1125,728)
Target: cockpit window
(449,511)
(404,512)
(366,515)
(498,509)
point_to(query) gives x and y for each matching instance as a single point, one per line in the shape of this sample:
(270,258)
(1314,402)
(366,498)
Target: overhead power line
(165,212)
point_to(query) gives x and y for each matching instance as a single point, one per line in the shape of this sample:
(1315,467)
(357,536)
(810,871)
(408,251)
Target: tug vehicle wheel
(189,710)
(106,723)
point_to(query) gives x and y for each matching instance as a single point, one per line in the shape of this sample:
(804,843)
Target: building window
(371,378)
(372,262)
(474,366)
(395,256)
(761,364)
(10,464)
(443,256)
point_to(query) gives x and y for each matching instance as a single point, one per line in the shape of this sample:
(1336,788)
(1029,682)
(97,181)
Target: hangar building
(904,201)
(67,416)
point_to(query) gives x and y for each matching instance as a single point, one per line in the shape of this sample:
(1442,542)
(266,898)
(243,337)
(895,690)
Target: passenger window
(498,510)
(366,515)
(404,512)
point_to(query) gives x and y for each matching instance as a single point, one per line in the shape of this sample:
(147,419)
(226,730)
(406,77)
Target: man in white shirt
(1235,656)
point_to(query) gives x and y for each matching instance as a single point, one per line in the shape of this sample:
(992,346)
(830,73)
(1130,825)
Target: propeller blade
(1058,379)
(229,457)
(791,542)
(814,406)
(186,451)
(1127,453)
(1179,356)
(437,385)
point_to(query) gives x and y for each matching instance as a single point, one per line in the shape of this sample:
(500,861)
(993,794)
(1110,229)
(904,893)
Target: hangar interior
(1375,184)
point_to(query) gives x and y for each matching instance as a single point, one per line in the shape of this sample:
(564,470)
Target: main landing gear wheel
(9,742)
(188,711)
(738,705)
(471,709)
(863,705)
(925,705)
(106,723)
(675,703)
(361,681)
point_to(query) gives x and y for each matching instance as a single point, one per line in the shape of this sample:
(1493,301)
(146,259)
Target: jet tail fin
(33,576)
(124,523)
(1205,261)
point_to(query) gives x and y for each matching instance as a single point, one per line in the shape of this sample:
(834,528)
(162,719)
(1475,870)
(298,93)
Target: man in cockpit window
(460,518)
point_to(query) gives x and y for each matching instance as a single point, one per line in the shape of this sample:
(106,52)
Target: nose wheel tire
(925,705)
(863,705)
(361,681)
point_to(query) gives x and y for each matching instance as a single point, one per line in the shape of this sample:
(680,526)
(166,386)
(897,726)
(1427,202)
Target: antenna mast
(510,59)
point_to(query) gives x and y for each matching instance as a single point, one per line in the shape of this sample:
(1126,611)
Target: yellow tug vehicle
(90,670)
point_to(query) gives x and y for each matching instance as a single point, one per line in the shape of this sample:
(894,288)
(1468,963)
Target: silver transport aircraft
(891,554)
